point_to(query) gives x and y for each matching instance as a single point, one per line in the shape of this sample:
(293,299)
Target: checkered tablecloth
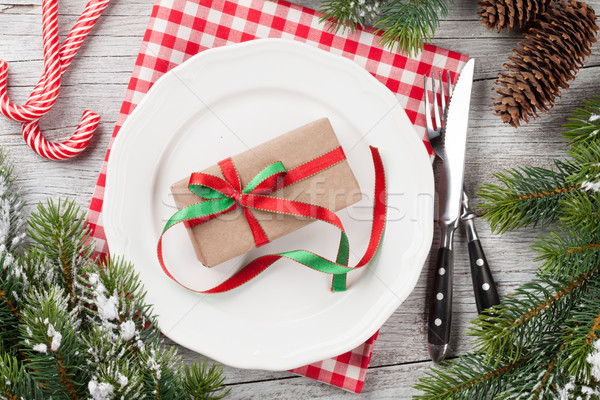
(179,29)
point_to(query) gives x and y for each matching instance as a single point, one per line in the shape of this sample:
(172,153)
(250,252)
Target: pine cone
(511,14)
(550,54)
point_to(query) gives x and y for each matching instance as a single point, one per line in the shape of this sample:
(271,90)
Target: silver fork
(435,135)
(486,294)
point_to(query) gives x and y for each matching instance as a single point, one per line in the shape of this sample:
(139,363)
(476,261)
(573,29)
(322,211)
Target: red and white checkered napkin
(178,29)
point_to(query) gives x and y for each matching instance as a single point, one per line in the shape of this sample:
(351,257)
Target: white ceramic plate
(222,102)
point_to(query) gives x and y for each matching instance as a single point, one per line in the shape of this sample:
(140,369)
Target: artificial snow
(100,289)
(8,259)
(141,346)
(40,348)
(566,391)
(3,183)
(128,330)
(56,338)
(153,365)
(100,390)
(4,220)
(594,117)
(93,278)
(17,239)
(123,381)
(107,307)
(587,185)
(5,207)
(594,360)
(589,391)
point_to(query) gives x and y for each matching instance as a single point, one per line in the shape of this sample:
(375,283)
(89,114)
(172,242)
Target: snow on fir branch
(404,24)
(73,328)
(543,341)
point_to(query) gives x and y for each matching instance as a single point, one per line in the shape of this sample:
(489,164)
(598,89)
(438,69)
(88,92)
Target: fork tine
(449,80)
(443,100)
(436,109)
(427,106)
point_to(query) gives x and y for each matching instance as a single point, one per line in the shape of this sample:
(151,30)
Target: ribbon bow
(224,195)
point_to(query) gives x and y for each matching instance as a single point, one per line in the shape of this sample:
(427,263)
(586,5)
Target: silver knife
(450,195)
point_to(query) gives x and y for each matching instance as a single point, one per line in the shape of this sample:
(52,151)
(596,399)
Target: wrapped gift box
(230,235)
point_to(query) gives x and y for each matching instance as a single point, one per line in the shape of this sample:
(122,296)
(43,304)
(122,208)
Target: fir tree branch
(544,378)
(11,208)
(568,254)
(353,14)
(16,382)
(587,157)
(161,377)
(60,232)
(10,316)
(404,24)
(524,318)
(204,383)
(528,196)
(52,344)
(407,24)
(470,377)
(536,375)
(71,328)
(581,211)
(123,376)
(539,390)
(9,305)
(583,124)
(115,282)
(582,332)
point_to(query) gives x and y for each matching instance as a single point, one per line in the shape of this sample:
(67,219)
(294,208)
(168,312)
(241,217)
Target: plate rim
(419,259)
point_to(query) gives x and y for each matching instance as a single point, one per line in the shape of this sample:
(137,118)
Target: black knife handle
(484,287)
(440,311)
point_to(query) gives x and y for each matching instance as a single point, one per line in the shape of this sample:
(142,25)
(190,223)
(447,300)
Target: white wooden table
(98,78)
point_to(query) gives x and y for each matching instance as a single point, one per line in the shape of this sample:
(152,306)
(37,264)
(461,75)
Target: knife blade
(450,196)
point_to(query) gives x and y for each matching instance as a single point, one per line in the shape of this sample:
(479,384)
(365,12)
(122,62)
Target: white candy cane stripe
(63,150)
(56,61)
(80,30)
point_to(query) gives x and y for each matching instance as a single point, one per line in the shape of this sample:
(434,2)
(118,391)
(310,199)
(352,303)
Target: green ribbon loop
(268,172)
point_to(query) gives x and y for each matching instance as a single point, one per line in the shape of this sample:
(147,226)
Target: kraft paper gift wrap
(229,235)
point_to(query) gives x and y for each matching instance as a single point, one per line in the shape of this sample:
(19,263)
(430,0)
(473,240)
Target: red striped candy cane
(44,95)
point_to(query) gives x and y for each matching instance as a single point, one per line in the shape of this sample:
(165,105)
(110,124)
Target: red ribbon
(231,186)
(216,189)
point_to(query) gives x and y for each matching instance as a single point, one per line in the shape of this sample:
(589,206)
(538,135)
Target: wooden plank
(391,382)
